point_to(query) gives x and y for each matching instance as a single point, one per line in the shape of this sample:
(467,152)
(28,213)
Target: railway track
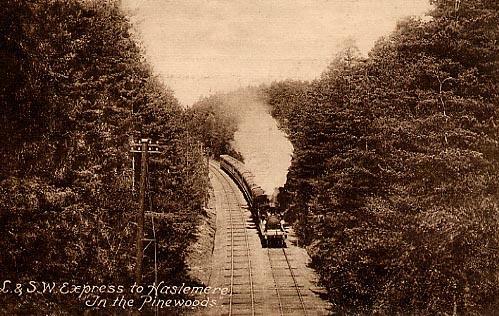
(261,281)
(287,289)
(241,299)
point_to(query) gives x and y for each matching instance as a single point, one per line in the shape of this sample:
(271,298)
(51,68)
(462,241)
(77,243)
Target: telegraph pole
(140,215)
(207,195)
(145,148)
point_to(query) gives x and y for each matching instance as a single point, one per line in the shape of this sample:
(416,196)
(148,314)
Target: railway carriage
(270,224)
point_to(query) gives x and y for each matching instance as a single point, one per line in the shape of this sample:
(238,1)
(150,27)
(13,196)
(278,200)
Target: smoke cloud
(265,148)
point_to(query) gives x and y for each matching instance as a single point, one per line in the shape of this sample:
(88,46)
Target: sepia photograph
(249,157)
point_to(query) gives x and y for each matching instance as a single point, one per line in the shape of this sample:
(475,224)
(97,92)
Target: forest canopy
(75,90)
(394,179)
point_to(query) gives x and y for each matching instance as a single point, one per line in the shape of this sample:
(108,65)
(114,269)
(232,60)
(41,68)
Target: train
(269,222)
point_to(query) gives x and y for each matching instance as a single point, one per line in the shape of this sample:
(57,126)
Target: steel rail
(281,310)
(233,195)
(249,268)
(295,283)
(231,237)
(232,250)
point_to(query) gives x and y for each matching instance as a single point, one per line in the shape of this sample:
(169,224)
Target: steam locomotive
(269,222)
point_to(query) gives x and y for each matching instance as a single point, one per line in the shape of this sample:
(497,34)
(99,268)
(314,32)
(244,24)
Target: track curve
(261,281)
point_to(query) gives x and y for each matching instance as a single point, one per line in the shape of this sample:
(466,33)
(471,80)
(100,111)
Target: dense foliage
(213,121)
(396,167)
(74,91)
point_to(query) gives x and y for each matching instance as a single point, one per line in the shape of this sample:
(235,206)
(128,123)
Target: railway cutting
(262,280)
